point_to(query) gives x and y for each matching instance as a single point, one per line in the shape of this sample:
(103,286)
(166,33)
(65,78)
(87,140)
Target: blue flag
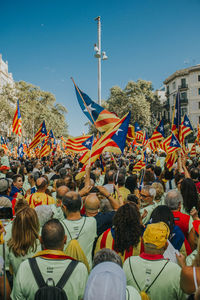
(20,150)
(120,136)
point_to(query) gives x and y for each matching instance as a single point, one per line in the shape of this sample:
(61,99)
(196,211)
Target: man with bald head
(104,220)
(78,227)
(40,197)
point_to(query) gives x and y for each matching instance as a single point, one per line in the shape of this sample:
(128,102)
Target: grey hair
(173,198)
(151,190)
(106,255)
(44,213)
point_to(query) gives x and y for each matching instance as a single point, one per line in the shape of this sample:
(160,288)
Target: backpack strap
(133,275)
(153,280)
(128,294)
(36,272)
(157,276)
(79,231)
(61,283)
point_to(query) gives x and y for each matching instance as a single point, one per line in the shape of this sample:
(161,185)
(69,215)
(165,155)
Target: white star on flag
(118,130)
(88,143)
(186,123)
(161,128)
(90,108)
(174,143)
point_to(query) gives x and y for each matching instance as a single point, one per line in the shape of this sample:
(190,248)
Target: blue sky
(46,42)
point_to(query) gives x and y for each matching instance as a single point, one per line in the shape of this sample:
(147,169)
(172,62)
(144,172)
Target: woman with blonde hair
(24,240)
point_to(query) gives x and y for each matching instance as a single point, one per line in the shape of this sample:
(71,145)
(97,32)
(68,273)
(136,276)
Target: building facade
(187,81)
(5,77)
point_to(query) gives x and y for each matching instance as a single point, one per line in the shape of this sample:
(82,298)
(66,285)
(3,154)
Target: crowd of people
(114,234)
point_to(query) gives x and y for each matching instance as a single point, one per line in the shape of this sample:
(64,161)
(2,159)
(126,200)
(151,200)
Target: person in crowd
(195,175)
(131,184)
(78,227)
(125,235)
(190,195)
(110,181)
(162,213)
(5,189)
(40,197)
(149,272)
(17,186)
(120,181)
(52,263)
(174,200)
(4,159)
(159,198)
(147,200)
(4,171)
(107,279)
(25,244)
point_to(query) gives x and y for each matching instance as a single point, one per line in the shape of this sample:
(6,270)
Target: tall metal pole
(98,19)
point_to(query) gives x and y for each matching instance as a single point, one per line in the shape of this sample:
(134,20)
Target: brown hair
(25,231)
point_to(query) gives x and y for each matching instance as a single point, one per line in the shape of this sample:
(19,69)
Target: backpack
(74,249)
(143,294)
(51,292)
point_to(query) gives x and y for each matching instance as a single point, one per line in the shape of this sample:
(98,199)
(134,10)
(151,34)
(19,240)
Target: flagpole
(83,100)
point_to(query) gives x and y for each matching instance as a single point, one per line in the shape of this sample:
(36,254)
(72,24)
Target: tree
(35,106)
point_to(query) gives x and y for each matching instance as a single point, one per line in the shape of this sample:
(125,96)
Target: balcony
(184,101)
(183,87)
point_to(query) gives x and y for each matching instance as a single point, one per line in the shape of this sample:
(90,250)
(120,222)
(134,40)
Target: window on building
(198,91)
(183,111)
(198,77)
(199,105)
(183,82)
(174,85)
(183,95)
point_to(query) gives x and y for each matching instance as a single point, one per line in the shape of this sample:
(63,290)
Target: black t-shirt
(104,221)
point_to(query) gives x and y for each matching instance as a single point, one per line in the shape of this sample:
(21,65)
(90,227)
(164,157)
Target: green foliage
(35,106)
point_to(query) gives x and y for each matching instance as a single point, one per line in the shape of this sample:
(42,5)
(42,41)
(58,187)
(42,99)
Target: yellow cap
(156,234)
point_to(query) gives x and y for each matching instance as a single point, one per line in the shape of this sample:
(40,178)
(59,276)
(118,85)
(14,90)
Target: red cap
(3,168)
(196,225)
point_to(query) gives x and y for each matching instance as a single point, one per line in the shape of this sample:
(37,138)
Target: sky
(47,42)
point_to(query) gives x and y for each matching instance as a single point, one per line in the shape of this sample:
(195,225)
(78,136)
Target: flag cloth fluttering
(138,132)
(185,129)
(75,144)
(99,116)
(17,121)
(42,132)
(174,144)
(112,140)
(193,152)
(89,142)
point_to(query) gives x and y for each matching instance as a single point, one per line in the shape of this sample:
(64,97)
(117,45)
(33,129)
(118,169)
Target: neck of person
(73,216)
(91,213)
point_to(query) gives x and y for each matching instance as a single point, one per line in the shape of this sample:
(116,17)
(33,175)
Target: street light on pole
(100,56)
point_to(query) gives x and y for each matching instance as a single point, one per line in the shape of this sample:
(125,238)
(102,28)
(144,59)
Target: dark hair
(131,183)
(163,213)
(178,177)
(168,175)
(29,167)
(60,182)
(120,179)
(106,255)
(16,176)
(53,234)
(157,170)
(150,167)
(47,169)
(110,175)
(127,227)
(148,177)
(73,203)
(189,194)
(194,173)
(132,198)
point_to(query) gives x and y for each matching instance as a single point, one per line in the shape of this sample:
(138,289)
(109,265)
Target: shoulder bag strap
(61,283)
(156,277)
(128,294)
(36,272)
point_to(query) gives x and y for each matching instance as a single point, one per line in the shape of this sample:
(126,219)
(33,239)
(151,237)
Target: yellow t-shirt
(38,198)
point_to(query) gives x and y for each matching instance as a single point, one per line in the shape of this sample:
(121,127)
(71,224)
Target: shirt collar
(151,256)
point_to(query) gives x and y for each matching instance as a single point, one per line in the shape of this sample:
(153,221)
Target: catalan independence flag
(99,116)
(42,132)
(17,121)
(112,140)
(75,144)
